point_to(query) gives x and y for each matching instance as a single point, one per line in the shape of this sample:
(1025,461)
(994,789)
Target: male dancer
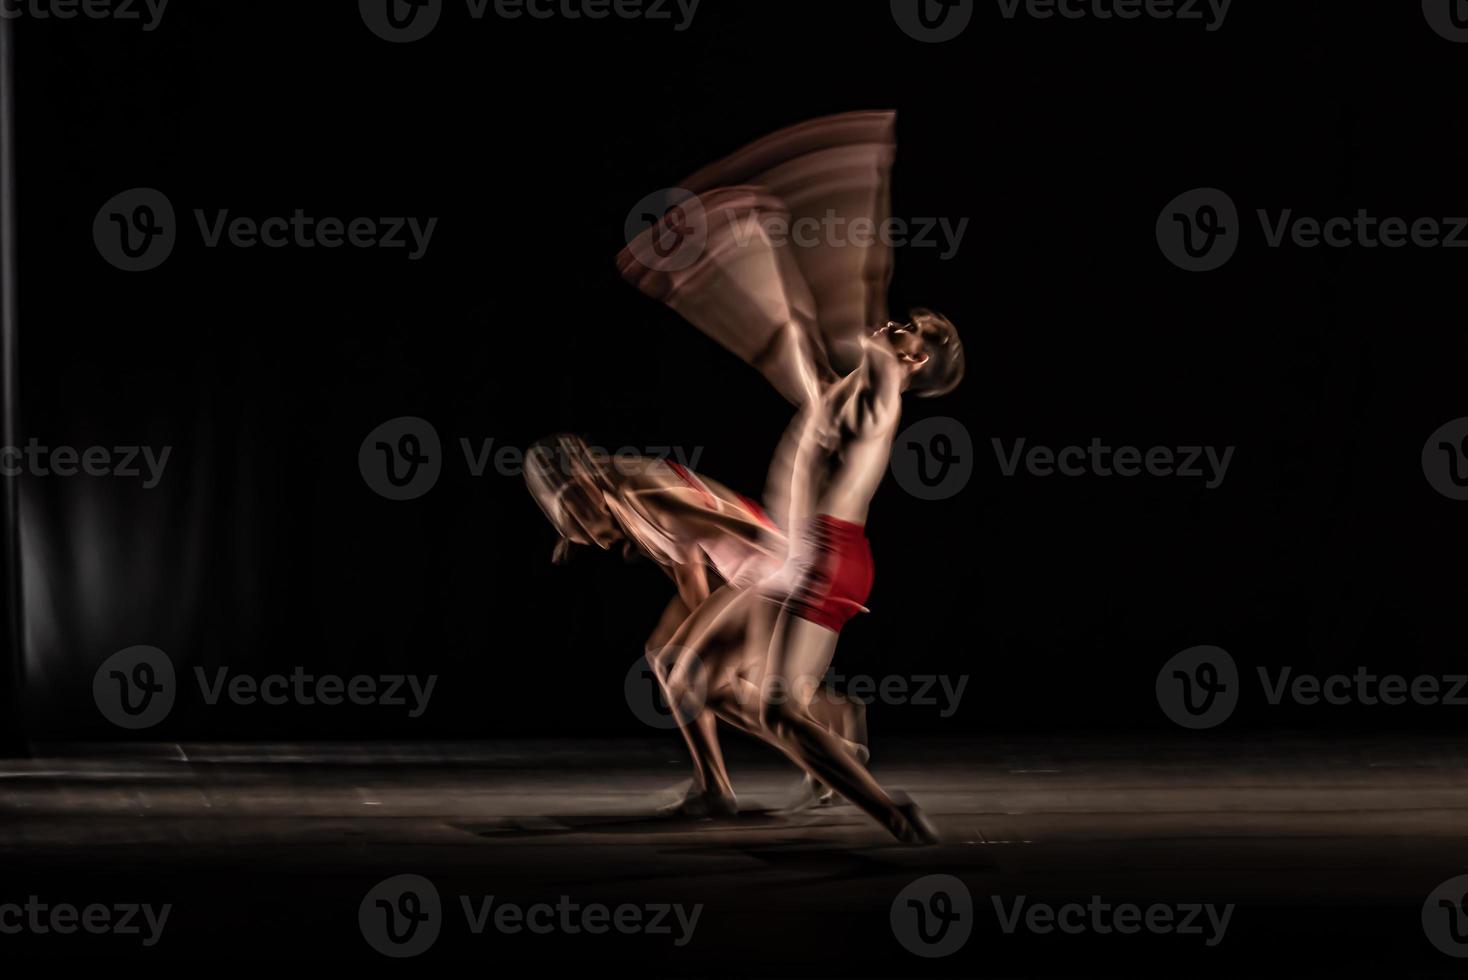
(793,621)
(803,316)
(845,443)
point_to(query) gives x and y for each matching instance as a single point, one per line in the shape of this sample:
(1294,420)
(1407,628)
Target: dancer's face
(589,510)
(909,342)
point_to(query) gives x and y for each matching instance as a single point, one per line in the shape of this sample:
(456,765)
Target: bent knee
(780,715)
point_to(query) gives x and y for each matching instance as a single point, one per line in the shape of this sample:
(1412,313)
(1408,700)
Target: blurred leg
(799,657)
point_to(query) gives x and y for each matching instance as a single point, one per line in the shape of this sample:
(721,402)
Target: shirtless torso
(849,437)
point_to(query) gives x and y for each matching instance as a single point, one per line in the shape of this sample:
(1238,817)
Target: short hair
(945,367)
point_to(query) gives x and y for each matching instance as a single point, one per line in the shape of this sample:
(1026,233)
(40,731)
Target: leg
(719,663)
(727,661)
(799,657)
(661,654)
(682,679)
(844,716)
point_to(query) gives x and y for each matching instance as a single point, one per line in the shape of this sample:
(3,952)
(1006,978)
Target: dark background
(1325,549)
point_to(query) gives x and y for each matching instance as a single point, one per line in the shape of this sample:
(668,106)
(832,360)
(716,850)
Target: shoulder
(883,378)
(640,472)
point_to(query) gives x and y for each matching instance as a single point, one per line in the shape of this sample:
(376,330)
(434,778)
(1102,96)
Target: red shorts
(836,575)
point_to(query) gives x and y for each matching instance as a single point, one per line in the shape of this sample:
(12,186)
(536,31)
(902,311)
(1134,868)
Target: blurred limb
(692,580)
(721,665)
(799,656)
(685,616)
(684,509)
(830,172)
(742,288)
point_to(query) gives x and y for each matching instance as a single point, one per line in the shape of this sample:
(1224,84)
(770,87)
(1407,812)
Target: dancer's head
(928,346)
(570,485)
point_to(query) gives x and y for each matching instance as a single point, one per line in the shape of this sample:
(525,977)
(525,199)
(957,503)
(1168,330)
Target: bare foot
(912,826)
(811,794)
(701,805)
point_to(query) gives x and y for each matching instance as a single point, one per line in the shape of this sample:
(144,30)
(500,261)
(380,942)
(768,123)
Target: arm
(692,578)
(880,407)
(805,444)
(790,352)
(685,509)
(672,618)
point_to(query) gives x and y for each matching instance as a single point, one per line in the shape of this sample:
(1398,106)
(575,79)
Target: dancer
(712,542)
(845,444)
(812,319)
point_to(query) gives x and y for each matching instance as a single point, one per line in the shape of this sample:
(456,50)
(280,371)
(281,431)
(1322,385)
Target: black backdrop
(263,548)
